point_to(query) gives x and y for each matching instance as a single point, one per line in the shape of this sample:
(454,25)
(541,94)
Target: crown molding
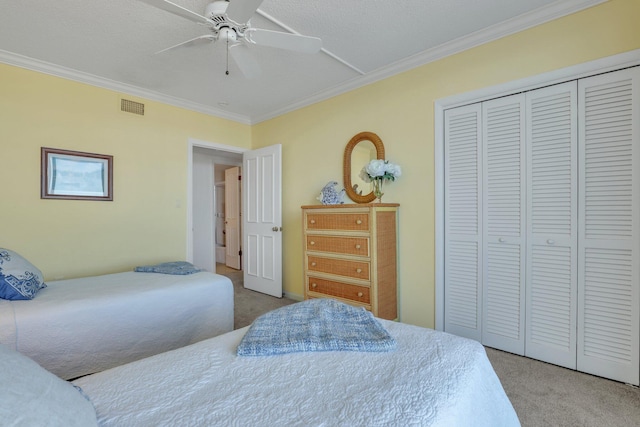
(44,67)
(520,23)
(539,16)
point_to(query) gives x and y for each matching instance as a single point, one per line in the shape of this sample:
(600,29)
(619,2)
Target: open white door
(262,219)
(232,216)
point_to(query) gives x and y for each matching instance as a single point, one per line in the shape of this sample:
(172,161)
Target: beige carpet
(248,304)
(548,395)
(542,394)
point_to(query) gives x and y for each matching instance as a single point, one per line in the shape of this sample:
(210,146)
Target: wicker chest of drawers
(350,254)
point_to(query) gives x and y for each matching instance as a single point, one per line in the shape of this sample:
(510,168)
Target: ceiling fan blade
(241,11)
(243,58)
(288,41)
(180,11)
(198,40)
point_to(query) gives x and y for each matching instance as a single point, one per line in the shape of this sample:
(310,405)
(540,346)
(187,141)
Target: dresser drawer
(342,221)
(341,267)
(350,254)
(355,293)
(339,245)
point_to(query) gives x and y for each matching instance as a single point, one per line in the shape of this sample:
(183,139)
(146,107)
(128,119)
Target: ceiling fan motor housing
(216,11)
(225,28)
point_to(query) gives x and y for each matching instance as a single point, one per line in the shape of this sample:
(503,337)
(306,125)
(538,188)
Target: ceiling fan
(228,22)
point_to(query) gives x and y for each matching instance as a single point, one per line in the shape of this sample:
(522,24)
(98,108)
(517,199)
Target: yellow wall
(400,110)
(146,222)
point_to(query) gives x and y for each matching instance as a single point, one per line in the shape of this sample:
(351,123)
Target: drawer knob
(312,243)
(313,221)
(359,221)
(357,246)
(359,294)
(313,285)
(313,264)
(358,270)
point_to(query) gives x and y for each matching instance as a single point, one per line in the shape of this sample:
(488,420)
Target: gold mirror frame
(346,164)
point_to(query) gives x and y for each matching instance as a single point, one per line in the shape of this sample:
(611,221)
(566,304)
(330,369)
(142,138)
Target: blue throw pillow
(320,324)
(19,279)
(174,267)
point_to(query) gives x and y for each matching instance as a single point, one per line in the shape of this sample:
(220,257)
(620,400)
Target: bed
(431,378)
(81,326)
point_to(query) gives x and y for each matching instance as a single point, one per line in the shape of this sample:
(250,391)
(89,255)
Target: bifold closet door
(552,170)
(609,222)
(503,305)
(463,266)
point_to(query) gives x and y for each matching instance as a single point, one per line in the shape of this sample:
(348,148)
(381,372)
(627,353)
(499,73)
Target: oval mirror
(360,150)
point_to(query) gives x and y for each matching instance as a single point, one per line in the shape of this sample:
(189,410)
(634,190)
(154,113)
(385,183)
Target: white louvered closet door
(503,223)
(463,272)
(609,224)
(552,170)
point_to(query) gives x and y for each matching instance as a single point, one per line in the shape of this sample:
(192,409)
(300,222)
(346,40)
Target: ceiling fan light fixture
(227,34)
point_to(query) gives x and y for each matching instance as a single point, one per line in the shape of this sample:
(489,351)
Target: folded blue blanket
(315,325)
(175,267)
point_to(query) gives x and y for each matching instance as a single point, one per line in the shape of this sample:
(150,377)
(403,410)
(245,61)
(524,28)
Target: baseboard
(293,296)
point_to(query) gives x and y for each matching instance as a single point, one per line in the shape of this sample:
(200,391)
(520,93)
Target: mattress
(81,326)
(432,379)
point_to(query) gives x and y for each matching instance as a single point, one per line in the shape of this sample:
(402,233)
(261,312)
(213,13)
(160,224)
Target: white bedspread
(81,326)
(433,379)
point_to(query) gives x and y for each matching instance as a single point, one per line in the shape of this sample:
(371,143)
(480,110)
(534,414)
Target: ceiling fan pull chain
(227,71)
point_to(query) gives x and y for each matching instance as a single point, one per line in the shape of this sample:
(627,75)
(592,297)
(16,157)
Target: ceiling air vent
(129,106)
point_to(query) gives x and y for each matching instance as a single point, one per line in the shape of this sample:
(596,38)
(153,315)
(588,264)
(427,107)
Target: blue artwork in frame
(75,175)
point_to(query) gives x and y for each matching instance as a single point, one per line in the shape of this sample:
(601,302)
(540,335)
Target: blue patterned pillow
(19,279)
(176,267)
(320,324)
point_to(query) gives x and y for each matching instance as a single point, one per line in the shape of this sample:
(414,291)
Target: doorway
(261,224)
(207,163)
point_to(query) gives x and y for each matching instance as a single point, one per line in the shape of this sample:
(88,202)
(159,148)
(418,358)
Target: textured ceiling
(111,43)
